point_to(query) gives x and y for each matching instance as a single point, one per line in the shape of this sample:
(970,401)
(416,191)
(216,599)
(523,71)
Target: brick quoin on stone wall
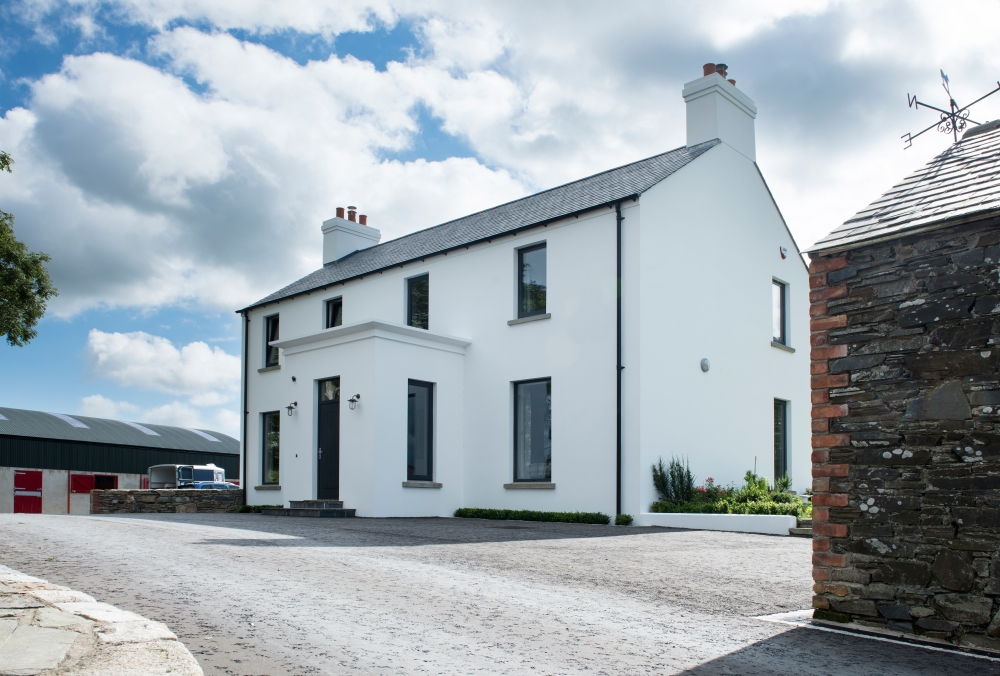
(905,339)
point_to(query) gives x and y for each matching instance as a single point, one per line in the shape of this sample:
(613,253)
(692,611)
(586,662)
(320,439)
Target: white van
(179,476)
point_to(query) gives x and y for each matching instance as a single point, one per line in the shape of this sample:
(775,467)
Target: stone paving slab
(47,629)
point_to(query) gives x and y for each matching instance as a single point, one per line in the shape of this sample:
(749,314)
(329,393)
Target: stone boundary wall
(161,501)
(905,340)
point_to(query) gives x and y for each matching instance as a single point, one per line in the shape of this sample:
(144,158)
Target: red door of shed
(27,492)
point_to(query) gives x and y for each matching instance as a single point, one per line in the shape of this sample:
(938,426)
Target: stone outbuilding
(905,335)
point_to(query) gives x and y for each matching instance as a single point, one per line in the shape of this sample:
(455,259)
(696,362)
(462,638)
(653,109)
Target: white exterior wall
(472,296)
(710,237)
(697,268)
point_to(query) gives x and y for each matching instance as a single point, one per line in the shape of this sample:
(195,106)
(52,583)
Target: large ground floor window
(420,432)
(780,438)
(533,430)
(271,447)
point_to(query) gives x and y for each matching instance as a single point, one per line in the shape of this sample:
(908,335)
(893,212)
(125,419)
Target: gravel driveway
(250,594)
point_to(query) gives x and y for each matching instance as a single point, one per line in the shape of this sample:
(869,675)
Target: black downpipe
(246,411)
(618,408)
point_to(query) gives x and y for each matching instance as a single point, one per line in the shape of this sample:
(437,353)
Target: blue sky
(177,158)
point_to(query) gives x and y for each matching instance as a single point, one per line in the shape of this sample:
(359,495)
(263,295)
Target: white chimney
(717,109)
(342,236)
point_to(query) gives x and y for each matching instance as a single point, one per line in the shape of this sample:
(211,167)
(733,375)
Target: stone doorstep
(801,532)
(316,504)
(914,639)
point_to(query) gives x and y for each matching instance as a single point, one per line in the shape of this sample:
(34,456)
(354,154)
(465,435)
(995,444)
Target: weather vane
(952,121)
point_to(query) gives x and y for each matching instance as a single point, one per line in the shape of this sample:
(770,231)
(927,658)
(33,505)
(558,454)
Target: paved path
(47,629)
(250,594)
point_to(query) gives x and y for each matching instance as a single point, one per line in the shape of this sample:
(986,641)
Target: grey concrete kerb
(48,629)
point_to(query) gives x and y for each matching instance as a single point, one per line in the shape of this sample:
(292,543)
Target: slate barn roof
(960,184)
(549,205)
(36,424)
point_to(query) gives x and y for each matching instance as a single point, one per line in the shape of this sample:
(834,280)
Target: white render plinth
(768,524)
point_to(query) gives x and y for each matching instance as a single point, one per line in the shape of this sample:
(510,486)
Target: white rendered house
(490,362)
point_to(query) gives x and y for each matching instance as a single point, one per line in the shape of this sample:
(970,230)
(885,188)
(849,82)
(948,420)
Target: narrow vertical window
(334,312)
(533,431)
(420,432)
(779,334)
(270,334)
(417,305)
(272,446)
(780,438)
(531,282)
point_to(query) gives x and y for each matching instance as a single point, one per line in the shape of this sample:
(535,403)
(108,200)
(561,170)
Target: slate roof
(36,424)
(960,184)
(549,205)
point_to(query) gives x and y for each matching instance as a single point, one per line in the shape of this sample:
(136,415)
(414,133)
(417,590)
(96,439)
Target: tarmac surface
(250,594)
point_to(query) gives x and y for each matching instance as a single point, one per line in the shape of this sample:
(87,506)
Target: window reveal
(334,313)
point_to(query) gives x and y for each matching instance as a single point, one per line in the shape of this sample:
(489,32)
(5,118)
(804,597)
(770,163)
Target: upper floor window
(531,282)
(779,330)
(270,334)
(417,302)
(334,312)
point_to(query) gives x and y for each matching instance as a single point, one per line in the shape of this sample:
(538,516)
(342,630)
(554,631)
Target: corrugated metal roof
(960,184)
(36,424)
(565,200)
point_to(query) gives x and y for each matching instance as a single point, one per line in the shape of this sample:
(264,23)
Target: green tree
(25,286)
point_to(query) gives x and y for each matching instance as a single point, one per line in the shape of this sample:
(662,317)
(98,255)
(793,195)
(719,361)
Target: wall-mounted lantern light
(353,401)
(292,406)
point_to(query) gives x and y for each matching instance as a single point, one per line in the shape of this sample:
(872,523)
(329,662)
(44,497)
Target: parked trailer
(178,476)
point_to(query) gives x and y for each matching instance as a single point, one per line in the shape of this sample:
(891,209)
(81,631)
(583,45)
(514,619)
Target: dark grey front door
(328,452)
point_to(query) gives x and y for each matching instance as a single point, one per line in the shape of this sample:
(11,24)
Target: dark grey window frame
(409,297)
(270,350)
(339,300)
(521,312)
(782,312)
(781,407)
(430,431)
(515,385)
(263,448)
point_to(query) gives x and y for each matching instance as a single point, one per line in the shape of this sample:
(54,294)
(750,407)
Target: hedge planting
(530,515)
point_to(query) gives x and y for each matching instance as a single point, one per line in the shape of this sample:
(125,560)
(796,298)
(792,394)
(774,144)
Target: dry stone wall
(164,501)
(905,341)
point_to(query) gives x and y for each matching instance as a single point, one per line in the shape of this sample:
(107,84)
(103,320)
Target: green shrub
(623,520)
(245,509)
(530,515)
(754,497)
(674,483)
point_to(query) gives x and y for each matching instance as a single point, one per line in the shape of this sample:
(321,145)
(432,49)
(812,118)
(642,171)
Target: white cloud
(142,361)
(98,406)
(180,414)
(149,192)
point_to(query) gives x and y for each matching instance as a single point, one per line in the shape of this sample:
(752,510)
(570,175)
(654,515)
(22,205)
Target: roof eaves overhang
(904,232)
(442,252)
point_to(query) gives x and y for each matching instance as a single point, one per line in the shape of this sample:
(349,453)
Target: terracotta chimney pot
(732,82)
(362,219)
(708,68)
(340,212)
(721,68)
(352,214)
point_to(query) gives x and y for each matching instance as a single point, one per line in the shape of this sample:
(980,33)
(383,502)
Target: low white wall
(740,523)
